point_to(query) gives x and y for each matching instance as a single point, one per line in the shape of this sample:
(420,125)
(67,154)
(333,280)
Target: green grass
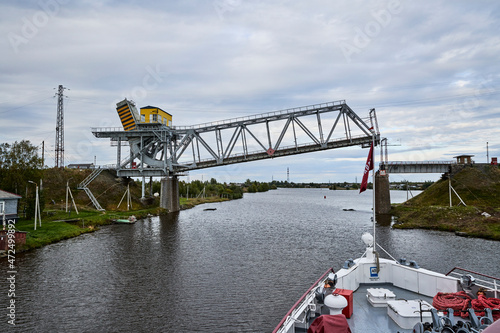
(49,232)
(462,219)
(479,188)
(190,203)
(55,229)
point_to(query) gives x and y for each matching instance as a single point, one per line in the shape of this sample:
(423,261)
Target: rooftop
(8,195)
(154,107)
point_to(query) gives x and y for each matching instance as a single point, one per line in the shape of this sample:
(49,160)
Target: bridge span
(417,167)
(160,150)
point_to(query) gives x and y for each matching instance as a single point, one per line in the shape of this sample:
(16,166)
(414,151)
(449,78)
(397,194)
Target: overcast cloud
(429,68)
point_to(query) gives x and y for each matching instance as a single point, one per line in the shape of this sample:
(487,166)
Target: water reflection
(384,220)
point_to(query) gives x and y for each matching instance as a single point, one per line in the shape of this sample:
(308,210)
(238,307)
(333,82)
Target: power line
(22,106)
(438,99)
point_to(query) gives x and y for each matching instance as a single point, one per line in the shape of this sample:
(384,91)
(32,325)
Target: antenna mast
(59,161)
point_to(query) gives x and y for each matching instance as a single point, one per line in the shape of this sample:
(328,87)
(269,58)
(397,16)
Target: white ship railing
(483,280)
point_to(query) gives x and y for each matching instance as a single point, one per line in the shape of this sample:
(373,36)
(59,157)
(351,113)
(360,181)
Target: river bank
(59,225)
(464,221)
(470,208)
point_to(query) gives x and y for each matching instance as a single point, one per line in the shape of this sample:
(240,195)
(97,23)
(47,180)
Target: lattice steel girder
(417,167)
(164,150)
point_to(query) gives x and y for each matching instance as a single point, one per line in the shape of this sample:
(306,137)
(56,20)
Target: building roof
(8,195)
(154,107)
(463,156)
(80,164)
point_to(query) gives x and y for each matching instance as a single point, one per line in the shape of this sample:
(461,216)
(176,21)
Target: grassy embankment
(56,227)
(479,188)
(107,188)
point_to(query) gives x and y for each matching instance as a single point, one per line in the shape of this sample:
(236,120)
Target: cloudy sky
(430,69)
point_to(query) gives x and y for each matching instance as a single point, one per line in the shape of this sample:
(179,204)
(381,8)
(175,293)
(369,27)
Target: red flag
(368,167)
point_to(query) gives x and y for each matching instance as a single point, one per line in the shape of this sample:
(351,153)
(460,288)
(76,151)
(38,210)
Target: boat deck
(395,310)
(367,318)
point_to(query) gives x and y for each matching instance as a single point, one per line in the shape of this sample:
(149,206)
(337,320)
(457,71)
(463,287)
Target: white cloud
(431,71)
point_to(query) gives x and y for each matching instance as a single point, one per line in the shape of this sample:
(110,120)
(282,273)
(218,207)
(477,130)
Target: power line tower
(59,162)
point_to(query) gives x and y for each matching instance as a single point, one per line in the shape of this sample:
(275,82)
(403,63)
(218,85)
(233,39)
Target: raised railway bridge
(158,150)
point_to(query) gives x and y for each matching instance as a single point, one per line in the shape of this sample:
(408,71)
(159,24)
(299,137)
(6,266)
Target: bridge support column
(169,197)
(382,194)
(143,188)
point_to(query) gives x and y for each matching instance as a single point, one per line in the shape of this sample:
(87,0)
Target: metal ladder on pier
(83,186)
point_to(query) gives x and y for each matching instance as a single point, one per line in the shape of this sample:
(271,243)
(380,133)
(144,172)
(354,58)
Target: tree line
(212,187)
(20,164)
(197,188)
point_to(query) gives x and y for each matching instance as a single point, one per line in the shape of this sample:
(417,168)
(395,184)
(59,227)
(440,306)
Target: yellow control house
(152,114)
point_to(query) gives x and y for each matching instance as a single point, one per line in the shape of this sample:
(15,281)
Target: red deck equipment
(348,294)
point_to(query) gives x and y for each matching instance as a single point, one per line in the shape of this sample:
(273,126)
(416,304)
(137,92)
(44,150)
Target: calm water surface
(236,269)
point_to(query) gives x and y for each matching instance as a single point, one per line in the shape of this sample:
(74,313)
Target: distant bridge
(418,167)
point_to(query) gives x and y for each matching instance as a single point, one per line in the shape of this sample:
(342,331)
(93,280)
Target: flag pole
(370,165)
(373,177)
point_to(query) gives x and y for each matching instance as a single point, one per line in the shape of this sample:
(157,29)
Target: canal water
(238,268)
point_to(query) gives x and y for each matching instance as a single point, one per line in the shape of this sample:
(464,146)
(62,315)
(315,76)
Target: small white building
(8,205)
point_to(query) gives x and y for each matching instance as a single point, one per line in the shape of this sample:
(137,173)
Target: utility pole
(449,188)
(487,153)
(43,154)
(37,205)
(59,161)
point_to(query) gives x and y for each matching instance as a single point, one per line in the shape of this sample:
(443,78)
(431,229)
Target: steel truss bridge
(418,167)
(157,150)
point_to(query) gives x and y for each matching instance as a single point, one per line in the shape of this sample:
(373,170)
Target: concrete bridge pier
(169,197)
(382,194)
